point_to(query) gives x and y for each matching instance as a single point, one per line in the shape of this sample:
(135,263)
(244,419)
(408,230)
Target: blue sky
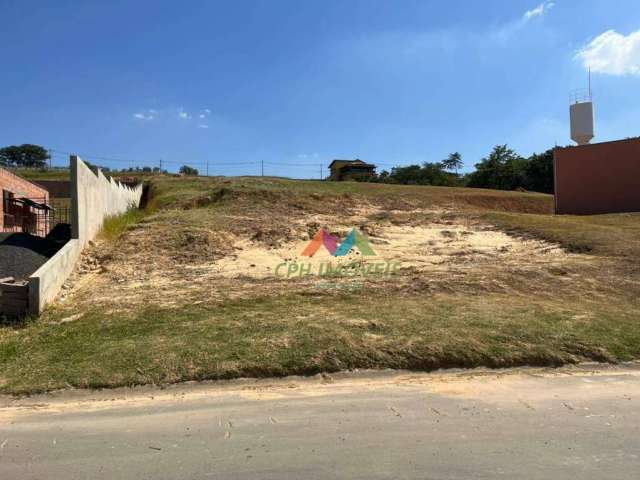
(298,83)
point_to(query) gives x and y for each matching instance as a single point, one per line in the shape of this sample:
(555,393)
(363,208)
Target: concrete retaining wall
(47,281)
(93,198)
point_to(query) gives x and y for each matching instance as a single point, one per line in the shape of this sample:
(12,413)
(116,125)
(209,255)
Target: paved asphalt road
(574,423)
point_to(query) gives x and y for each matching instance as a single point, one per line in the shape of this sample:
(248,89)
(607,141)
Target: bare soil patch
(170,259)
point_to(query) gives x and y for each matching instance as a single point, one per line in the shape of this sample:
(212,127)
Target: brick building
(598,178)
(25,205)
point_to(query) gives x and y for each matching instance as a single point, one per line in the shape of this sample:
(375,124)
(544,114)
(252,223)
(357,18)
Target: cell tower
(581,113)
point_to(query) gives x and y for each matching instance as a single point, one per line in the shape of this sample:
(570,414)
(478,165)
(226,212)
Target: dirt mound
(214,239)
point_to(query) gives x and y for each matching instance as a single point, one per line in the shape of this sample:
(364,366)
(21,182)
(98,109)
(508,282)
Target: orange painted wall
(598,178)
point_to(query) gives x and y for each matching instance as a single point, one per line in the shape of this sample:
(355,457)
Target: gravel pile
(22,254)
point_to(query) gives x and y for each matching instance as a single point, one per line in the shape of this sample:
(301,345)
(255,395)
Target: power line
(149,162)
(60,154)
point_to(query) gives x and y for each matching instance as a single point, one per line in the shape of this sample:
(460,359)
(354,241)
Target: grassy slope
(293,334)
(38,174)
(534,322)
(65,174)
(606,235)
(180,192)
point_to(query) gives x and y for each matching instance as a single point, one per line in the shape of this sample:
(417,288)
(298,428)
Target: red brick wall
(20,188)
(598,178)
(56,188)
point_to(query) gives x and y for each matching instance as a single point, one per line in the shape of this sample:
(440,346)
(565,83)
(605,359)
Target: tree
(503,169)
(539,172)
(187,170)
(409,175)
(425,174)
(434,174)
(453,162)
(26,156)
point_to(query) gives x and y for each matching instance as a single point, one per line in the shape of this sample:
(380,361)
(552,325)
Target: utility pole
(262,168)
(320,171)
(160,165)
(50,157)
(207,167)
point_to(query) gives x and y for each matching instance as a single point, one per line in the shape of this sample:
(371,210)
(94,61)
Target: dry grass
(152,308)
(603,235)
(305,334)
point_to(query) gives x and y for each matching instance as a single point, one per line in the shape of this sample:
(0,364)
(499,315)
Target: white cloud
(508,30)
(612,53)
(146,115)
(539,11)
(182,114)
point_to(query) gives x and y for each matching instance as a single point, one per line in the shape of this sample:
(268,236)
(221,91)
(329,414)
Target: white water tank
(582,123)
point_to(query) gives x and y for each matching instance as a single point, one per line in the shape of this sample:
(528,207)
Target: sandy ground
(213,265)
(428,247)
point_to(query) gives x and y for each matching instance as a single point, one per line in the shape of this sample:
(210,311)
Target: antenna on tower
(581,114)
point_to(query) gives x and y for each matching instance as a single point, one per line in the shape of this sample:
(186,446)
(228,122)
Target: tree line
(34,156)
(502,169)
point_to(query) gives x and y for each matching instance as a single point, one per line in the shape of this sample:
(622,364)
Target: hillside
(211,283)
(42,174)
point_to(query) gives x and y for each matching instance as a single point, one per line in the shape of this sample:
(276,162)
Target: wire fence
(307,167)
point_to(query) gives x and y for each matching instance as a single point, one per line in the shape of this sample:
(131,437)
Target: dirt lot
(209,263)
(194,289)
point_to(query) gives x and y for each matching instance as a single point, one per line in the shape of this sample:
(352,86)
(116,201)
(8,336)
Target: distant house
(348,169)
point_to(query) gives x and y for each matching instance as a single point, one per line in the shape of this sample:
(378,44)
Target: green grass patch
(115,225)
(302,334)
(43,173)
